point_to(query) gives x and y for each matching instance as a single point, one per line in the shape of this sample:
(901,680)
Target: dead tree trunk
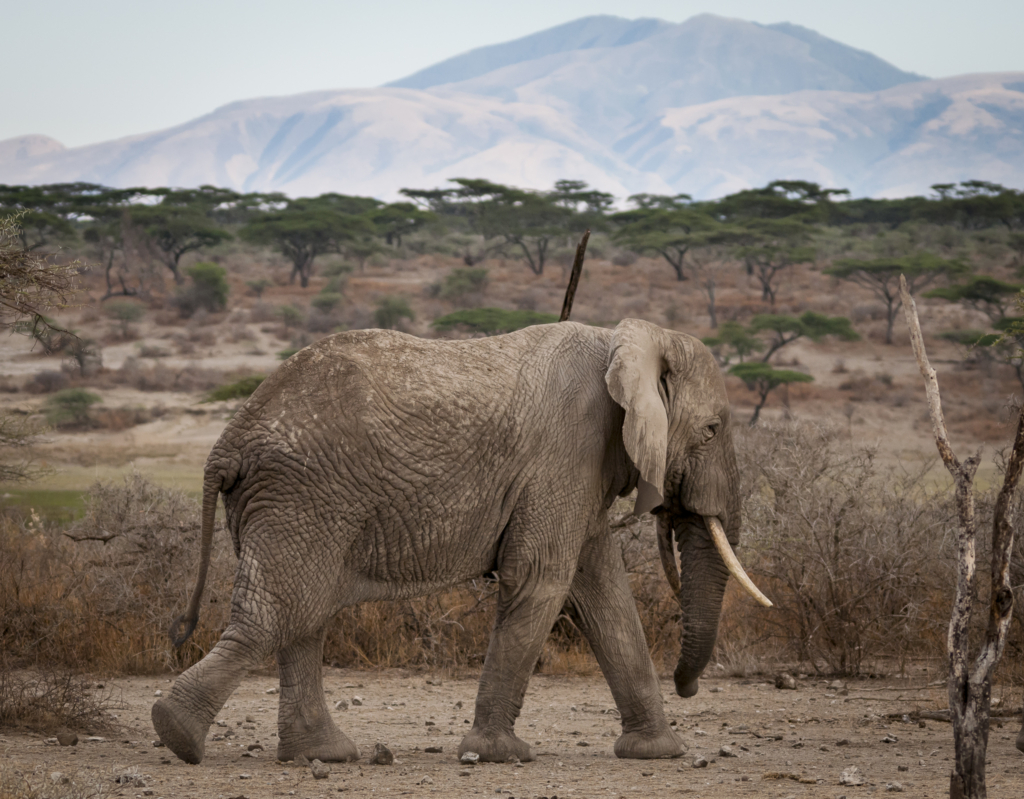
(970,688)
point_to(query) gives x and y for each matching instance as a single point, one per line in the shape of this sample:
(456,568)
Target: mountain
(707,106)
(609,76)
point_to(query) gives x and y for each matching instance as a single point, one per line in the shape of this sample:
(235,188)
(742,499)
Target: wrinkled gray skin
(374,465)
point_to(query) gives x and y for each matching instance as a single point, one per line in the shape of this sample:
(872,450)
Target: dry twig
(970,688)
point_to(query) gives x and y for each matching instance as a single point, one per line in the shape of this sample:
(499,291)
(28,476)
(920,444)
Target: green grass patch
(240,389)
(53,506)
(493,320)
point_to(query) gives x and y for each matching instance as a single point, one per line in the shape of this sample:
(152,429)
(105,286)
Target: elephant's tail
(211,493)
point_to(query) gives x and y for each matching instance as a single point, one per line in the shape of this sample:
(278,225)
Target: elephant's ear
(635,368)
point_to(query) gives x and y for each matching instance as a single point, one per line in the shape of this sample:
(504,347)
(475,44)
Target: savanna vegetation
(192,295)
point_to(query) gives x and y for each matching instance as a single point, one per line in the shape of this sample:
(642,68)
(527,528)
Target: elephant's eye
(709,432)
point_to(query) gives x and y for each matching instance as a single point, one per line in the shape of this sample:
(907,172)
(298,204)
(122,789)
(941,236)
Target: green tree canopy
(174,230)
(493,320)
(307,228)
(989,295)
(882,276)
(763,378)
(666,231)
(732,339)
(785,330)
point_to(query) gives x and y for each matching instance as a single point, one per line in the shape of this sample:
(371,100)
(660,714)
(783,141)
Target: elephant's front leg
(606,614)
(527,607)
(304,723)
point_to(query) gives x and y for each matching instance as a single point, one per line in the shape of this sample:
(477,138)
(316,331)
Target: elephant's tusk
(731,561)
(667,551)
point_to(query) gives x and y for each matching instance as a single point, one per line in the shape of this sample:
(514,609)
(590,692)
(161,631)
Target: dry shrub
(102,594)
(46,382)
(162,377)
(855,555)
(125,417)
(52,701)
(446,630)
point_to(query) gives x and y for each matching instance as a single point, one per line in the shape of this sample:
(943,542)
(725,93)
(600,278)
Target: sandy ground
(786,743)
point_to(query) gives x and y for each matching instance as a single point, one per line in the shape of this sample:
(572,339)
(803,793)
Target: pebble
(381,756)
(699,762)
(851,776)
(836,685)
(158,744)
(843,742)
(221,723)
(903,768)
(434,750)
(890,739)
(646,773)
(273,690)
(158,692)
(785,681)
(582,743)
(716,690)
(465,772)
(319,770)
(426,781)
(341,704)
(58,778)
(894,787)
(245,776)
(255,747)
(357,701)
(250,720)
(726,751)
(249,754)
(96,739)
(67,739)
(470,758)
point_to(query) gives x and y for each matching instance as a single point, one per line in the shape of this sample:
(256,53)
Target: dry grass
(104,602)
(54,785)
(855,555)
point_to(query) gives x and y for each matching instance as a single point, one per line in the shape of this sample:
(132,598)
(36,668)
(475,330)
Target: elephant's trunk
(703,575)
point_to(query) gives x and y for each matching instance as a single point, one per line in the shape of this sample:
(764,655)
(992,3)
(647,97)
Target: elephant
(375,465)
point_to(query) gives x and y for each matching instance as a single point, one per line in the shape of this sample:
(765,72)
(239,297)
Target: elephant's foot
(180,730)
(495,747)
(324,742)
(1020,739)
(649,746)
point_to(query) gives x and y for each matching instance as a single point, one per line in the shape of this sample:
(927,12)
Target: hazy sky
(84,71)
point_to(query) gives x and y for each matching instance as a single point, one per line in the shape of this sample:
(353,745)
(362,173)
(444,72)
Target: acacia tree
(307,228)
(30,285)
(175,230)
(785,330)
(667,231)
(881,276)
(989,295)
(732,339)
(770,246)
(763,378)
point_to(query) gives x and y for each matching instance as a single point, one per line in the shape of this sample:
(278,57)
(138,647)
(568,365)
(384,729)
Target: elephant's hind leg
(304,723)
(606,614)
(183,718)
(527,607)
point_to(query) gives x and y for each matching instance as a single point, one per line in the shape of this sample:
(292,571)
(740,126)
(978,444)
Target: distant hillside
(705,107)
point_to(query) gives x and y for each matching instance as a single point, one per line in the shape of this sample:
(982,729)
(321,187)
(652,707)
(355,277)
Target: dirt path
(786,743)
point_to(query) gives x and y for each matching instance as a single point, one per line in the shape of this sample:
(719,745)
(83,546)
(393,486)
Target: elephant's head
(678,433)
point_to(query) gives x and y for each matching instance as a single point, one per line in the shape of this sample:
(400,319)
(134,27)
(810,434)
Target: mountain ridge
(704,107)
